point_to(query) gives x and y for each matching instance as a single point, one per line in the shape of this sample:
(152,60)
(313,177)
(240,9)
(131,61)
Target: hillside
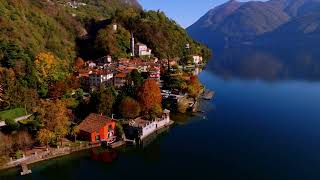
(237,23)
(40,39)
(29,27)
(300,32)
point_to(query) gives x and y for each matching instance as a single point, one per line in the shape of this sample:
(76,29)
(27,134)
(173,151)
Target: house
(99,77)
(91,64)
(104,60)
(96,128)
(120,80)
(154,73)
(197,59)
(140,128)
(142,50)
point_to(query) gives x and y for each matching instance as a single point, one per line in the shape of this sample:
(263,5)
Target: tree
(57,90)
(149,95)
(194,87)
(49,68)
(55,117)
(106,99)
(129,108)
(45,64)
(119,129)
(45,136)
(79,63)
(136,78)
(115,43)
(74,132)
(156,111)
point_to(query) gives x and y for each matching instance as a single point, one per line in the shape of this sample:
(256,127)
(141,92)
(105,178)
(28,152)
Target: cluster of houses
(105,72)
(98,128)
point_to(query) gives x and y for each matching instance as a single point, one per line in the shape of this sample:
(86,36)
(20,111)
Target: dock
(25,170)
(117,144)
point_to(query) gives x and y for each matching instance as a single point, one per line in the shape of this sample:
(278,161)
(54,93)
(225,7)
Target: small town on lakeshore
(108,101)
(145,89)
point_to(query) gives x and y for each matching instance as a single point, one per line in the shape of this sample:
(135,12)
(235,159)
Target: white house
(104,60)
(91,64)
(145,128)
(101,76)
(142,50)
(197,59)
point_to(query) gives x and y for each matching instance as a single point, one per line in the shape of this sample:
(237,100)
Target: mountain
(237,23)
(300,32)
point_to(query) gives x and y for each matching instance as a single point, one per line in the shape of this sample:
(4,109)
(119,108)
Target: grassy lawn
(12,113)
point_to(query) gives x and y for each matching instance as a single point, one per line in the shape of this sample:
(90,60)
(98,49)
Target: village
(111,132)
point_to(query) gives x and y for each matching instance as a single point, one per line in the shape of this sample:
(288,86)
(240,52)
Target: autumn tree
(129,108)
(57,89)
(49,69)
(194,87)
(45,64)
(55,117)
(74,131)
(149,96)
(45,136)
(79,63)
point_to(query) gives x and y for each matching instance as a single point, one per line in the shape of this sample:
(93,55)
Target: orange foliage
(129,108)
(79,63)
(149,95)
(57,89)
(194,86)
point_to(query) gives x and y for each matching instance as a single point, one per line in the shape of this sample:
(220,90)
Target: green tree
(115,43)
(119,130)
(106,100)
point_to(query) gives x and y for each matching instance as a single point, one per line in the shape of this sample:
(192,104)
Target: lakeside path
(59,152)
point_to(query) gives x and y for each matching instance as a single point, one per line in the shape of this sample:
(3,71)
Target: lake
(263,124)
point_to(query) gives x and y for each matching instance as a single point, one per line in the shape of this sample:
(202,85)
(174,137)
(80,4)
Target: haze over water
(264,123)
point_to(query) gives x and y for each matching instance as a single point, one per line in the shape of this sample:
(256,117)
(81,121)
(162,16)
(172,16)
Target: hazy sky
(185,12)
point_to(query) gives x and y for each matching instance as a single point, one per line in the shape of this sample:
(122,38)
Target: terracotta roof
(121,75)
(93,123)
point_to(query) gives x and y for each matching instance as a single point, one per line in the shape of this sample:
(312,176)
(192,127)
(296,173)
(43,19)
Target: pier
(25,169)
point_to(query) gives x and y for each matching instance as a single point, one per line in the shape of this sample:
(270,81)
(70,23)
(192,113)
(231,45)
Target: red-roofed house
(97,128)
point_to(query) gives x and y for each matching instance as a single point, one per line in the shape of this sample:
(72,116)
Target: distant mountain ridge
(236,23)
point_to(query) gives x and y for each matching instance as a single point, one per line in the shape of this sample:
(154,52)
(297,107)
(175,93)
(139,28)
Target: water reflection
(104,155)
(267,64)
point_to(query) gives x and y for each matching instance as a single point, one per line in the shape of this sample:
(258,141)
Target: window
(98,138)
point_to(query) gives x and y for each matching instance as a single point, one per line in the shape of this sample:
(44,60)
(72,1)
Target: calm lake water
(263,124)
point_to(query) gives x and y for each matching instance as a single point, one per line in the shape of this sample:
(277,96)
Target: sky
(184,12)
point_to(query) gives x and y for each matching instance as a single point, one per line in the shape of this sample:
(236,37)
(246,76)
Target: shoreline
(68,151)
